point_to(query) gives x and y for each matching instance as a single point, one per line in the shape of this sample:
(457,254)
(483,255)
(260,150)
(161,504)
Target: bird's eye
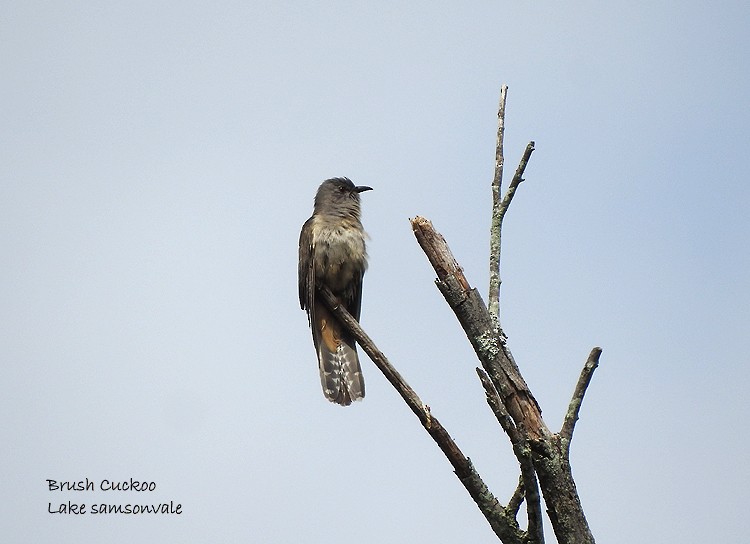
(342,189)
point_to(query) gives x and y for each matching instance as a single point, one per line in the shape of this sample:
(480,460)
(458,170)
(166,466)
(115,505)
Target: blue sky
(158,159)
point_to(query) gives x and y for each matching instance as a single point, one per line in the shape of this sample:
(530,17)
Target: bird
(332,253)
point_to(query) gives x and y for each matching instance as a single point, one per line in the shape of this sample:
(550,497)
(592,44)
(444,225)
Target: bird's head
(339,196)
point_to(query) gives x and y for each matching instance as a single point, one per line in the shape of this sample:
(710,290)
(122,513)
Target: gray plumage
(332,253)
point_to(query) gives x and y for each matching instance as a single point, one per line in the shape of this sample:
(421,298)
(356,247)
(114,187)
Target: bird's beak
(362,188)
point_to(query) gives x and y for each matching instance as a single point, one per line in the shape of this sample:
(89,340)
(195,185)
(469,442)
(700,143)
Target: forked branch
(550,461)
(497,181)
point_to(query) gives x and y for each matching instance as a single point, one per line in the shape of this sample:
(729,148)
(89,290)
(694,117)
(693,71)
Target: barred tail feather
(341,375)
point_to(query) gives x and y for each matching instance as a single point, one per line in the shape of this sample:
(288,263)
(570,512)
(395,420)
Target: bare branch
(467,304)
(566,433)
(496,405)
(496,232)
(550,463)
(505,527)
(533,499)
(494,294)
(536,526)
(438,253)
(523,454)
(516,181)
(515,502)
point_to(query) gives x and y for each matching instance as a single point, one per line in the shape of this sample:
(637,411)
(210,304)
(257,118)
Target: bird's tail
(340,373)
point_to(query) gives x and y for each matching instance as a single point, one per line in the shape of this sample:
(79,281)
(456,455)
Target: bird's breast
(339,253)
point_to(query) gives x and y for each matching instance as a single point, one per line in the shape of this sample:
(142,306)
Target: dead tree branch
(515,502)
(515,182)
(566,433)
(550,459)
(530,486)
(497,407)
(494,299)
(472,313)
(496,231)
(505,526)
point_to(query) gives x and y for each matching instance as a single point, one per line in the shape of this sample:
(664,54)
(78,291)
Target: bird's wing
(306,270)
(354,297)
